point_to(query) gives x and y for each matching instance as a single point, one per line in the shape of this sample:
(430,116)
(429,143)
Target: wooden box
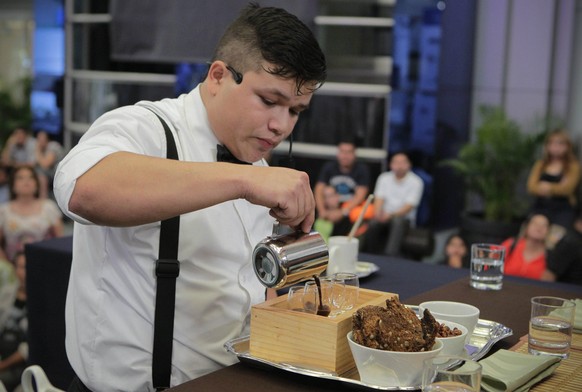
(282,335)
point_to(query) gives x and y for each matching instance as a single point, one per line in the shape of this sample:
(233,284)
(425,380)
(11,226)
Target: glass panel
(331,118)
(93,98)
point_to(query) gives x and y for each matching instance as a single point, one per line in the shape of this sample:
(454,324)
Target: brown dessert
(394,328)
(446,332)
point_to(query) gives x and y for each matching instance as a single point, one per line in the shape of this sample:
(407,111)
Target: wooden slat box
(282,335)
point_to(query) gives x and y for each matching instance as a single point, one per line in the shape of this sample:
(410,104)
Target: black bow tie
(223,155)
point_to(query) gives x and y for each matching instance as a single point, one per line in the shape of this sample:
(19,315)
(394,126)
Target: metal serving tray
(485,335)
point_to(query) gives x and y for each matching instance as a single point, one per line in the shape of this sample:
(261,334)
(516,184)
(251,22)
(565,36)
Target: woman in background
(456,252)
(526,255)
(26,217)
(553,180)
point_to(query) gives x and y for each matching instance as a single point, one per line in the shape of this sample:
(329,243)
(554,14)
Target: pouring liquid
(322,310)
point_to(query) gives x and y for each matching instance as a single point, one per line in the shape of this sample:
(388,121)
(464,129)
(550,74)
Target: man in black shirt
(351,180)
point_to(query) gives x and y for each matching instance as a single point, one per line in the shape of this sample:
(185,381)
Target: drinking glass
(300,300)
(350,292)
(550,326)
(487,261)
(331,294)
(451,374)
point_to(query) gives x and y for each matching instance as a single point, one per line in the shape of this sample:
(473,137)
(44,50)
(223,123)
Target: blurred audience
(350,179)
(456,252)
(396,197)
(331,202)
(26,217)
(4,186)
(13,341)
(8,287)
(48,154)
(564,262)
(526,255)
(19,149)
(553,180)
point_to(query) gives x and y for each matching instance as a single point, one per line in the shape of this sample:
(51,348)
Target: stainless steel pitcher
(288,257)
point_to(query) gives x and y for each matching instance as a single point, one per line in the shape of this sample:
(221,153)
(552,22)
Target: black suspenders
(167,270)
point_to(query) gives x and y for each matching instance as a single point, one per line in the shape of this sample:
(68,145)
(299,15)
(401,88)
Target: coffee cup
(343,254)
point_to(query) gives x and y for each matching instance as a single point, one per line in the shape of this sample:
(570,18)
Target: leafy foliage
(492,165)
(15,113)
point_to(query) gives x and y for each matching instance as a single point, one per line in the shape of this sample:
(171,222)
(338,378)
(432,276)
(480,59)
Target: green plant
(15,112)
(494,162)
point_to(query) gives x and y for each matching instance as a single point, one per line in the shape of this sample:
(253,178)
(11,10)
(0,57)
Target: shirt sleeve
(413,197)
(131,129)
(324,173)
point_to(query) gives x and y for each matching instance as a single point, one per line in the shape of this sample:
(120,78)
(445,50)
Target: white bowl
(390,368)
(458,312)
(453,345)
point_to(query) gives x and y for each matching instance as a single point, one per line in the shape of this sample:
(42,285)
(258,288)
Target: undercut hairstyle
(273,35)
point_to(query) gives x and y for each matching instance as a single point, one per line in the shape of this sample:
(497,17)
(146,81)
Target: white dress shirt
(398,192)
(111,297)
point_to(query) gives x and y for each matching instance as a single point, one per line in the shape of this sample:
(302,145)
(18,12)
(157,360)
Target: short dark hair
(278,37)
(12,180)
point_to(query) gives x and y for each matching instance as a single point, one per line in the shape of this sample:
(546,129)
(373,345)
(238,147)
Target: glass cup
(300,300)
(451,374)
(332,294)
(487,261)
(550,326)
(350,292)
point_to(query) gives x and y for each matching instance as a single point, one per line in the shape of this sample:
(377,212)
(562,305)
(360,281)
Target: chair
(419,240)
(48,265)
(34,379)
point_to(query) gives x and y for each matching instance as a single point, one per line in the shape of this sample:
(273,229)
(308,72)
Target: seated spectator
(13,342)
(8,287)
(19,149)
(564,262)
(553,180)
(456,252)
(351,181)
(27,218)
(4,187)
(397,196)
(48,154)
(331,200)
(526,255)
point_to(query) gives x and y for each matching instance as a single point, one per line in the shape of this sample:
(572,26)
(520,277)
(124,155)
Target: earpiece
(237,76)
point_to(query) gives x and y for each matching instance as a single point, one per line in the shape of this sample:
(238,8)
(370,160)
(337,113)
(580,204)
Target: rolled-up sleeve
(125,129)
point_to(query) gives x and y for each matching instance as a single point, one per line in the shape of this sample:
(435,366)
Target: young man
(351,182)
(117,186)
(396,197)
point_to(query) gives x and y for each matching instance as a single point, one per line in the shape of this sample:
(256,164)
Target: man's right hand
(286,192)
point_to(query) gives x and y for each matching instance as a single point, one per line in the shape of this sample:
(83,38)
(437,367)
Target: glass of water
(487,261)
(550,326)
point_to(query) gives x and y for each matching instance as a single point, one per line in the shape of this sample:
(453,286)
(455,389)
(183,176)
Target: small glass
(487,264)
(351,288)
(550,326)
(300,300)
(331,295)
(451,374)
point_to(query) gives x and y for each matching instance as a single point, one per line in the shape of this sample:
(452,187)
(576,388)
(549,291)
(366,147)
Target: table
(414,282)
(48,268)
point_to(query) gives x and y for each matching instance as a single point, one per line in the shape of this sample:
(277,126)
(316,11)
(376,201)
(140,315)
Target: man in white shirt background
(397,195)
